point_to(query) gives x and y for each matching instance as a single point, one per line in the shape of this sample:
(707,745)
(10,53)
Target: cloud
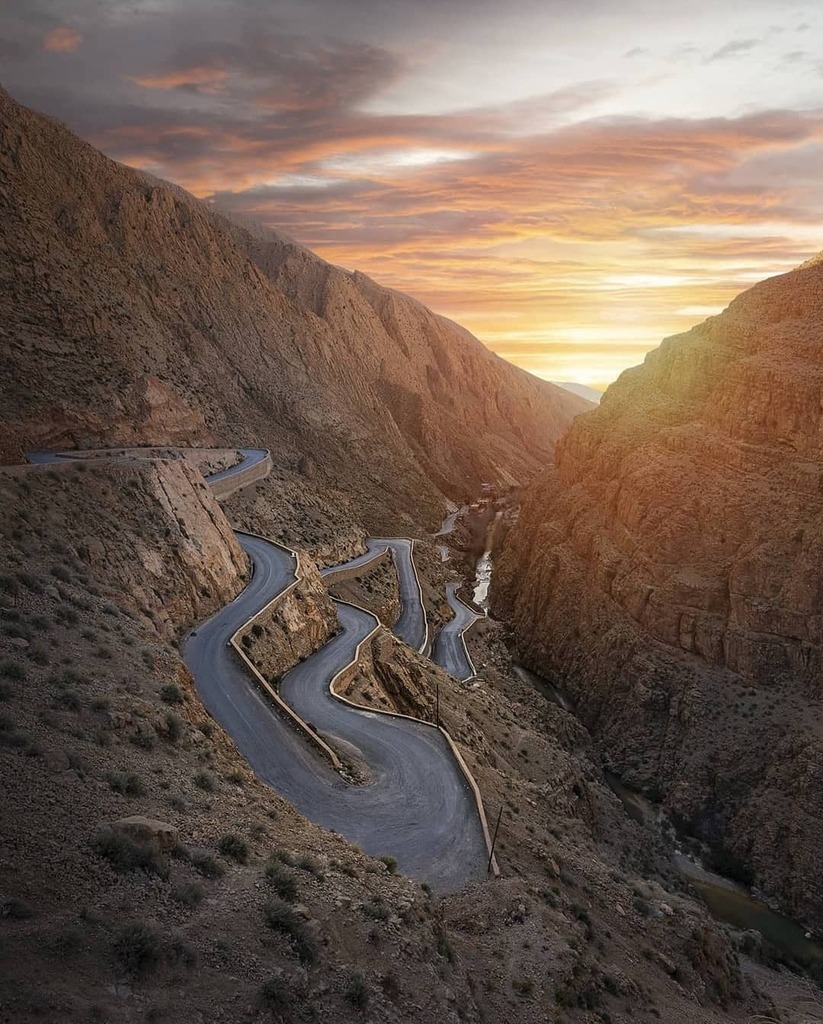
(536,223)
(733,49)
(62,40)
(208,78)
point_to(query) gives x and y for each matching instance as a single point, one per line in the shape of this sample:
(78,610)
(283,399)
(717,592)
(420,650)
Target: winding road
(412,626)
(417,805)
(450,651)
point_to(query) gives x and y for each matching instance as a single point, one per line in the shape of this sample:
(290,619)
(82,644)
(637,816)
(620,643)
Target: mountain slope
(671,573)
(132,312)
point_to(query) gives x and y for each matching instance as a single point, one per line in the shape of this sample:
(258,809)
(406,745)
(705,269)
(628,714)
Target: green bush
(68,699)
(137,948)
(376,909)
(276,993)
(357,992)
(171,694)
(126,854)
(201,860)
(127,783)
(205,780)
(188,893)
(311,864)
(234,846)
(391,864)
(285,857)
(282,880)
(175,726)
(282,918)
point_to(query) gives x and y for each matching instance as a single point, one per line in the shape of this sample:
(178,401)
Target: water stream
(484,568)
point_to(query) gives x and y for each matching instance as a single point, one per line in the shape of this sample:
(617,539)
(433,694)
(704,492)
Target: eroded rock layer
(670,572)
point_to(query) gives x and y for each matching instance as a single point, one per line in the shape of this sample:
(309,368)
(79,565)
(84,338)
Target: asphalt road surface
(249,457)
(449,649)
(412,626)
(417,806)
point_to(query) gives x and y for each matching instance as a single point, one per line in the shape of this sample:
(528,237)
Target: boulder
(148,830)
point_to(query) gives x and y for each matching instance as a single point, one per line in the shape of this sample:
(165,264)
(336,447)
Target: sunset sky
(570,179)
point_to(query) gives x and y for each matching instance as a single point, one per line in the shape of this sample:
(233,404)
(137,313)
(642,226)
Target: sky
(572,180)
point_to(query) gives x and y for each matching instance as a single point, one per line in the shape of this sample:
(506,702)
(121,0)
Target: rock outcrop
(132,313)
(153,526)
(670,573)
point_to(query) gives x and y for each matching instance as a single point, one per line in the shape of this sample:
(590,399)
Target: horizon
(572,187)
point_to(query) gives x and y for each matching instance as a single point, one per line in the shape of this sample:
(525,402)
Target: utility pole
(494,839)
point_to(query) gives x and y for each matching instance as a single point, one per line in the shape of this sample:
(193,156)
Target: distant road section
(412,625)
(254,464)
(450,651)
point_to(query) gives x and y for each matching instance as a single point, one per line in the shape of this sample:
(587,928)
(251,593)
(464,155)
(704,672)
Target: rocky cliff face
(154,527)
(131,313)
(670,573)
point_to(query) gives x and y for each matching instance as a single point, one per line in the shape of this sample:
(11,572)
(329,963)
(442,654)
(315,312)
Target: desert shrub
(127,783)
(145,738)
(70,700)
(201,860)
(282,880)
(234,846)
(12,670)
(175,726)
(38,652)
(9,585)
(125,854)
(275,993)
(68,616)
(61,572)
(179,953)
(376,909)
(31,582)
(282,918)
(6,690)
(188,893)
(285,857)
(311,864)
(137,948)
(205,780)
(15,910)
(391,864)
(237,777)
(445,948)
(171,694)
(357,991)
(100,704)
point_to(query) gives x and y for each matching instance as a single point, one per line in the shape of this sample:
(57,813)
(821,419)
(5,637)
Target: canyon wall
(132,313)
(669,573)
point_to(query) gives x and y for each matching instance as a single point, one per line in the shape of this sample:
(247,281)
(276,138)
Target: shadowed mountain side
(669,572)
(133,313)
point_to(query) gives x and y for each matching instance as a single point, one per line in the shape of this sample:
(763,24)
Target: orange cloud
(204,79)
(62,40)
